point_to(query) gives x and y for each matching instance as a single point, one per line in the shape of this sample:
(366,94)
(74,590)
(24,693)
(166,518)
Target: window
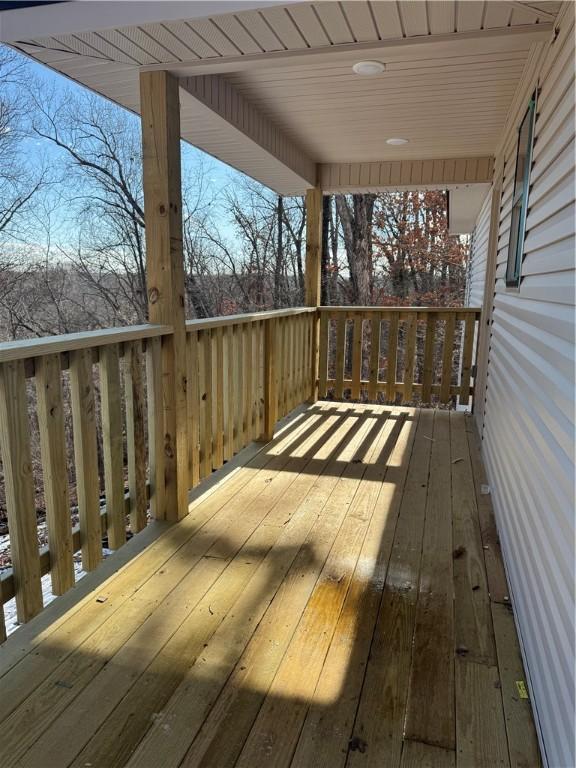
(520,199)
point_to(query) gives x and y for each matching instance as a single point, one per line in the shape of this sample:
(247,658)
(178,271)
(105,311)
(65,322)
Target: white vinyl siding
(528,432)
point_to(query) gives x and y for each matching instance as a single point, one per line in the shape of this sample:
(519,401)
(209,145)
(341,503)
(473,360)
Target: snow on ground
(10,616)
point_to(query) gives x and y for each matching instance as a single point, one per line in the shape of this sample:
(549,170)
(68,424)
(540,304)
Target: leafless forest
(72,229)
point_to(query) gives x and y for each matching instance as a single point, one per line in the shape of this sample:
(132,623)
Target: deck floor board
(302,614)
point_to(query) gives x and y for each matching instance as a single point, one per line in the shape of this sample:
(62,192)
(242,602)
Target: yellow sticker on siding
(522,692)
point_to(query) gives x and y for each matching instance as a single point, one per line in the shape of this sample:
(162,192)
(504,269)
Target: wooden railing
(397,355)
(103,393)
(93,390)
(244,373)
(90,385)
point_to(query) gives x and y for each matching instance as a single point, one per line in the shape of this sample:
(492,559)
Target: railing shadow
(220,667)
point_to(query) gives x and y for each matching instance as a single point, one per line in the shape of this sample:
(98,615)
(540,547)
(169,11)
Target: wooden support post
(313,270)
(270,391)
(160,109)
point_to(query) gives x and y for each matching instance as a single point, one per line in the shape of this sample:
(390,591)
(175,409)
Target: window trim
(520,197)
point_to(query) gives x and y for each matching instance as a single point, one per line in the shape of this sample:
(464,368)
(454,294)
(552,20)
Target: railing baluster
(374,357)
(86,457)
(238,399)
(392,357)
(155,428)
(428,357)
(136,447)
(256,357)
(205,381)
(447,356)
(356,357)
(229,393)
(218,382)
(19,488)
(323,353)
(2,622)
(247,392)
(467,349)
(270,380)
(112,444)
(55,471)
(409,355)
(340,356)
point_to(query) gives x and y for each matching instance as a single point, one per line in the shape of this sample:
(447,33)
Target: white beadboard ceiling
(451,72)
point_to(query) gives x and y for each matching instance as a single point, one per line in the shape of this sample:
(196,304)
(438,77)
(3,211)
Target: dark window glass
(520,198)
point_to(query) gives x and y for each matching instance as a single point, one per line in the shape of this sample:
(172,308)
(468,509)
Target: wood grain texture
(155,427)
(160,111)
(55,471)
(428,358)
(279,623)
(357,335)
(379,722)
(312,273)
(520,730)
(415,754)
(112,444)
(135,436)
(329,723)
(340,356)
(447,358)
(375,326)
(86,457)
(19,488)
(193,396)
(24,349)
(480,731)
(495,573)
(430,707)
(323,355)
(392,358)
(466,367)
(270,379)
(410,330)
(472,616)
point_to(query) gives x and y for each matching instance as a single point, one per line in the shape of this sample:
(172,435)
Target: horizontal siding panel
(550,397)
(552,258)
(555,228)
(557,287)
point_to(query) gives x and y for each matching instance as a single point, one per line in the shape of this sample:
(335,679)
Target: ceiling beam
(237,127)
(395,174)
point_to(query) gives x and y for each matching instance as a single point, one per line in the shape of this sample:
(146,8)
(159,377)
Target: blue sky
(37,150)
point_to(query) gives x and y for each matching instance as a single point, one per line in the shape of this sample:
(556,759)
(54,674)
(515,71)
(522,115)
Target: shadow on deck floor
(338,601)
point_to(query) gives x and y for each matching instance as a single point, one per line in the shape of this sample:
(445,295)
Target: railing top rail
(48,345)
(215,322)
(354,309)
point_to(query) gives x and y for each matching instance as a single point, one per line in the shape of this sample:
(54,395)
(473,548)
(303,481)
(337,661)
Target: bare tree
(263,265)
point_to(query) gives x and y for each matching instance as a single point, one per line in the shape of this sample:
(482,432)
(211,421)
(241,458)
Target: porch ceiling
(451,73)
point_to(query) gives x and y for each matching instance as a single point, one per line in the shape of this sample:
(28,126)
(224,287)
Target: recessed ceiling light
(368,68)
(396,142)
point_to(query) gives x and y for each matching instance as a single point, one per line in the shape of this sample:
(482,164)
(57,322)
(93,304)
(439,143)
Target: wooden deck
(339,600)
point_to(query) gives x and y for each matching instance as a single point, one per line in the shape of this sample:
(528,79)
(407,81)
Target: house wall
(478,256)
(527,422)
